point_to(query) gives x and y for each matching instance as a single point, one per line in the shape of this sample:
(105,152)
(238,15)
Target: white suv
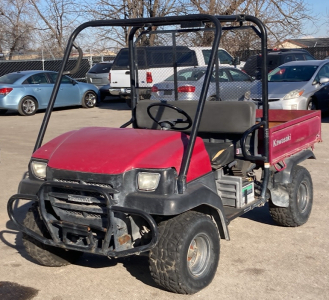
(155,64)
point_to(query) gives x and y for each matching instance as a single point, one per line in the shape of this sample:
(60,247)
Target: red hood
(105,150)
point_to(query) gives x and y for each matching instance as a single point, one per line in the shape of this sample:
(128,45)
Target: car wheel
(300,200)
(311,105)
(186,256)
(89,99)
(213,98)
(44,254)
(3,111)
(27,106)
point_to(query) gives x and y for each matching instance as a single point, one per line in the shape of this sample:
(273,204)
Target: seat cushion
(220,154)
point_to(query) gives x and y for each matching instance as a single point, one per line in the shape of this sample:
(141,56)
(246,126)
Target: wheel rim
(198,254)
(311,105)
(90,99)
(303,197)
(28,106)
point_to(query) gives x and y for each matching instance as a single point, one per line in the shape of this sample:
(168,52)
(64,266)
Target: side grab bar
(243,143)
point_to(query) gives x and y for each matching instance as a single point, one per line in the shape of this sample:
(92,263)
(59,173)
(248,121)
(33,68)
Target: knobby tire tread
(287,216)
(44,254)
(163,258)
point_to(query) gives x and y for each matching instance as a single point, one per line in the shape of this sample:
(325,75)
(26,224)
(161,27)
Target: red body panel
(292,131)
(117,150)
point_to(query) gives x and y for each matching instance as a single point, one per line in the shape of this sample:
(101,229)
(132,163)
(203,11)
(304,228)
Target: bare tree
(282,18)
(16,26)
(57,18)
(129,9)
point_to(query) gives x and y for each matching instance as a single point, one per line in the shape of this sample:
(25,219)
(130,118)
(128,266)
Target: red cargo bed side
(291,131)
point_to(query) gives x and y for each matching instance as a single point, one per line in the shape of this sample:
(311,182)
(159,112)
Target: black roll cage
(183,21)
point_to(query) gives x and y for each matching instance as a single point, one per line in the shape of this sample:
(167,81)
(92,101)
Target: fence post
(43,60)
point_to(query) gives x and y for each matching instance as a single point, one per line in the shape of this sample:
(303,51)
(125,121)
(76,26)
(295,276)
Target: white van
(156,64)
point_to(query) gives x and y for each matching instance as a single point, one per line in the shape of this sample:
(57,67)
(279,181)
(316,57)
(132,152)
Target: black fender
(278,191)
(198,196)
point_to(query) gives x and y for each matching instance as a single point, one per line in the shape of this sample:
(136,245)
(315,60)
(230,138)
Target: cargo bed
(291,131)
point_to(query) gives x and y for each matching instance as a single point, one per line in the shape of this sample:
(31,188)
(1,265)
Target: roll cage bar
(184,21)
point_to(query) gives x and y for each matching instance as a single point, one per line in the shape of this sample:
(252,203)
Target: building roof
(309,42)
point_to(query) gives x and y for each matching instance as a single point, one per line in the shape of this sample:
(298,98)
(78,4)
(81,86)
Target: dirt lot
(262,260)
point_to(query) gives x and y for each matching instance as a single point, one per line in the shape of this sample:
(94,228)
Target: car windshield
(10,78)
(187,75)
(101,68)
(292,73)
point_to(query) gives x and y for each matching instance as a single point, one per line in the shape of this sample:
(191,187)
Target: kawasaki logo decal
(282,141)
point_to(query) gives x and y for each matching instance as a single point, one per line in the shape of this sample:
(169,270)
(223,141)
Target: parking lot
(262,260)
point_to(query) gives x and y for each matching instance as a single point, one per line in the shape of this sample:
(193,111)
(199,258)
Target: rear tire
(89,99)
(45,255)
(27,106)
(300,200)
(186,256)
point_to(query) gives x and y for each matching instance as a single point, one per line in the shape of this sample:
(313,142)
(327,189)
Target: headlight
(293,94)
(148,181)
(39,169)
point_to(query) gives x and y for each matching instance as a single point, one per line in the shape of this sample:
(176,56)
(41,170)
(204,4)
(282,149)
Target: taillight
(110,77)
(154,89)
(149,77)
(5,91)
(186,89)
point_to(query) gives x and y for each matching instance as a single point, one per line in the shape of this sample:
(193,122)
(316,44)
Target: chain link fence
(9,66)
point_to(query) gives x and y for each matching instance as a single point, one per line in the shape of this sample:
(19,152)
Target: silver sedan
(296,85)
(231,84)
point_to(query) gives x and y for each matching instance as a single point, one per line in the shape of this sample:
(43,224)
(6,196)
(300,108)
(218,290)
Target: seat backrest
(231,117)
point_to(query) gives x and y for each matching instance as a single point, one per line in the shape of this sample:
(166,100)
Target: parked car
(275,58)
(156,63)
(232,84)
(28,91)
(296,85)
(99,73)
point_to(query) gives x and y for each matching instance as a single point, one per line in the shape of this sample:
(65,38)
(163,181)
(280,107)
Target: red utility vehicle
(170,185)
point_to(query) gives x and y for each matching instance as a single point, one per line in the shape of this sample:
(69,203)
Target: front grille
(81,198)
(79,206)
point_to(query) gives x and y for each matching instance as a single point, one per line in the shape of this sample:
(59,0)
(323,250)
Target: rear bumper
(125,92)
(112,244)
(120,91)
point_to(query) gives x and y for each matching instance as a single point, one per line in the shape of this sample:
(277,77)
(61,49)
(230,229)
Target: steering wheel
(171,124)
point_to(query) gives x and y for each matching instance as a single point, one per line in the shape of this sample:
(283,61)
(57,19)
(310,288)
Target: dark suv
(275,58)
(99,73)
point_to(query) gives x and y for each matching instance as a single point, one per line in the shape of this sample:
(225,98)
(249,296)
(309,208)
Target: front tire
(89,99)
(311,105)
(45,255)
(27,106)
(300,200)
(186,257)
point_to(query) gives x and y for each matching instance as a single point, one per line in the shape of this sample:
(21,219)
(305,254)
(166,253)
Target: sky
(320,10)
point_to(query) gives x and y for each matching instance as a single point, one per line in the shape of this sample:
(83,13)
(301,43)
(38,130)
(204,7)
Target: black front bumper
(85,239)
